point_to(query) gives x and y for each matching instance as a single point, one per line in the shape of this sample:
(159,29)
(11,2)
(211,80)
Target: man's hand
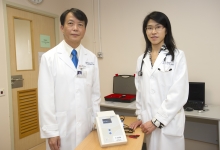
(148,127)
(54,143)
(135,124)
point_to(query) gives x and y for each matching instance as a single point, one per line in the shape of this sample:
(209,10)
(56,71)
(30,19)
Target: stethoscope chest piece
(140,73)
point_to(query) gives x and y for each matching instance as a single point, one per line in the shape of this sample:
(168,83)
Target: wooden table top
(91,142)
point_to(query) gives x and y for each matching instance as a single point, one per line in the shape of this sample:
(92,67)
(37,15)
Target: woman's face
(155,33)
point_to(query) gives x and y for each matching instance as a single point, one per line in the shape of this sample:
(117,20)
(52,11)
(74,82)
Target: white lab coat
(162,95)
(67,103)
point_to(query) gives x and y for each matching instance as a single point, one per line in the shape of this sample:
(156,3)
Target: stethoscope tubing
(140,73)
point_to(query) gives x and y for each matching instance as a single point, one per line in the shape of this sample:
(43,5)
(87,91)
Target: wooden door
(24,99)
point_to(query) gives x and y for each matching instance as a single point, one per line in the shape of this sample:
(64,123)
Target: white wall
(195,27)
(4,102)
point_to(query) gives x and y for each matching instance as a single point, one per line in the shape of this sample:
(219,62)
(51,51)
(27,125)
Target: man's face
(73,30)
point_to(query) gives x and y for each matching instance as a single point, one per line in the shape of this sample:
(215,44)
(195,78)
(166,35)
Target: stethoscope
(140,73)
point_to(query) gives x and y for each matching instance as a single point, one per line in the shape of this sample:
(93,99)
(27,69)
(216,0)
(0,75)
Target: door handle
(17,79)
(12,79)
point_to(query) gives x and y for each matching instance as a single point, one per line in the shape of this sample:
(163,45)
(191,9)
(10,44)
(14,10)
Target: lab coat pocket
(165,75)
(176,126)
(145,116)
(62,123)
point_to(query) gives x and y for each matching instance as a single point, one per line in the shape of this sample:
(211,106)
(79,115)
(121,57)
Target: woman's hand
(148,127)
(135,124)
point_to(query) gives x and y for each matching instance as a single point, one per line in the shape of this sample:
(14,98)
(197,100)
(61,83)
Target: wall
(195,28)
(51,6)
(4,102)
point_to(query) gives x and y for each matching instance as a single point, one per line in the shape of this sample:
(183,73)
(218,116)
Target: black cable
(122,118)
(127,129)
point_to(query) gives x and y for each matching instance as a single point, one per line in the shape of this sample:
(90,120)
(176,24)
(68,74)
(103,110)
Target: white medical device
(110,129)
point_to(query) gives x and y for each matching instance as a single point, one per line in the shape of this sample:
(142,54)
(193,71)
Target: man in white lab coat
(69,93)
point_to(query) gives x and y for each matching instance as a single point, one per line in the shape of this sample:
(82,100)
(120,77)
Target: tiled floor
(39,147)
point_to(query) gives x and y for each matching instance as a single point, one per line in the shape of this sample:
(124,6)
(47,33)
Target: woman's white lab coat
(67,103)
(161,94)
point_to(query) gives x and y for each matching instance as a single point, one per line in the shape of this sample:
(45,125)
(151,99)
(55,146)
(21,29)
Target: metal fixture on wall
(16,81)
(99,53)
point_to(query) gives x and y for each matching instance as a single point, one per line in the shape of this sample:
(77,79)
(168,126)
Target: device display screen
(106,121)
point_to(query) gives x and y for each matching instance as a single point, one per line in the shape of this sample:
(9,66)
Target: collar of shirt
(163,48)
(69,49)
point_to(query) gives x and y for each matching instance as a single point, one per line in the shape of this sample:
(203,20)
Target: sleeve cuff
(48,131)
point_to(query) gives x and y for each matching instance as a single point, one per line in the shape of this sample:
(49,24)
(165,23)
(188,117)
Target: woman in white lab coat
(68,95)
(162,86)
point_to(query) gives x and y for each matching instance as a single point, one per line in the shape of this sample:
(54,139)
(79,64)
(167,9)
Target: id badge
(81,74)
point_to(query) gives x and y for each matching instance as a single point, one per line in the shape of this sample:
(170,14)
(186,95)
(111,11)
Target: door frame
(32,10)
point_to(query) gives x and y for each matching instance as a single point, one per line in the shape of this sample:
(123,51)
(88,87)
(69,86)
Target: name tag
(168,63)
(81,74)
(89,63)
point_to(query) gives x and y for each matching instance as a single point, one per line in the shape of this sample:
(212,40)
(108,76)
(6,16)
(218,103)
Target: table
(213,112)
(91,142)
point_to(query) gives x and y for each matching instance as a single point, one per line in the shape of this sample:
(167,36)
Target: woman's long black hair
(162,19)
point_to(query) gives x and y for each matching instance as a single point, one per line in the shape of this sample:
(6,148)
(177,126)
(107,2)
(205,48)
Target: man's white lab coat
(67,103)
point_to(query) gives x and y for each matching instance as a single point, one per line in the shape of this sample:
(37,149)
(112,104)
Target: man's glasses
(157,28)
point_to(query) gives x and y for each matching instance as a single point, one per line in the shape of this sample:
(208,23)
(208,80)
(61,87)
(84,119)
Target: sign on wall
(45,41)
